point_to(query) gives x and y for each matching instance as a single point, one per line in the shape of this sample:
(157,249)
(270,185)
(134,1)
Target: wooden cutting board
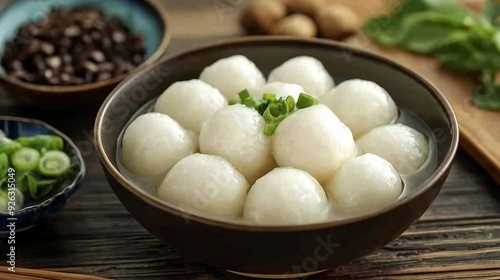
(479,129)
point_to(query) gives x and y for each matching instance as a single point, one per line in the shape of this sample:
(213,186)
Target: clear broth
(410,182)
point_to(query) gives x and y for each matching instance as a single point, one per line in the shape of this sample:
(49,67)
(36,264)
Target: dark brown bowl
(92,93)
(287,249)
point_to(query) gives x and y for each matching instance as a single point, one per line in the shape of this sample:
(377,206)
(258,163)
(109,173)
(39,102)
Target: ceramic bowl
(34,212)
(285,250)
(141,16)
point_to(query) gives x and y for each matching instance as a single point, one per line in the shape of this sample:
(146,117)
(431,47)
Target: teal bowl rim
(67,89)
(78,178)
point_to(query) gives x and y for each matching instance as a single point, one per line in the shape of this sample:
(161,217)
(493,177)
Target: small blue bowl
(145,17)
(34,212)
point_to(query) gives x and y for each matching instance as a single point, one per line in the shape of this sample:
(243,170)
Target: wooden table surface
(458,237)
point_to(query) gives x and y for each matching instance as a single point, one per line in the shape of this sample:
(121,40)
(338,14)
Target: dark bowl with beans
(74,52)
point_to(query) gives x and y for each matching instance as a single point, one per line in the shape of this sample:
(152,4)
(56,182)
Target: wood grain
(457,238)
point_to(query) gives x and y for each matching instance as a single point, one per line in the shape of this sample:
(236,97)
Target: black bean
(39,63)
(90,66)
(97,56)
(86,39)
(15,65)
(89,77)
(106,67)
(47,48)
(54,62)
(107,43)
(72,31)
(48,74)
(118,36)
(68,69)
(76,81)
(25,76)
(54,80)
(65,77)
(65,43)
(96,35)
(67,59)
(138,59)
(33,47)
(104,76)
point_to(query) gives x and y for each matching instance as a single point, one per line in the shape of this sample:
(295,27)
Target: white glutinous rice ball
(404,147)
(363,185)
(233,74)
(361,105)
(286,196)
(190,103)
(153,143)
(236,133)
(206,185)
(314,140)
(305,71)
(280,89)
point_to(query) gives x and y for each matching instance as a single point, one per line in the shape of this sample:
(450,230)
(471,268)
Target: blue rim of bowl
(65,89)
(440,171)
(78,178)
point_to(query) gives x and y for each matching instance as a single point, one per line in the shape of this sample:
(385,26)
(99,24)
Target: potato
(295,25)
(267,12)
(308,7)
(337,21)
(248,22)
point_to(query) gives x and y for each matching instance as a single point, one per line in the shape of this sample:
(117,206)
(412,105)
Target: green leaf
(487,96)
(446,30)
(492,12)
(384,29)
(427,32)
(496,39)
(450,7)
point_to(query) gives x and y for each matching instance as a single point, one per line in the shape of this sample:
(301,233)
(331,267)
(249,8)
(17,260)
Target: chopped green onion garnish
(42,143)
(244,94)
(25,159)
(270,128)
(290,103)
(54,163)
(4,166)
(306,101)
(270,97)
(272,109)
(252,103)
(235,101)
(8,146)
